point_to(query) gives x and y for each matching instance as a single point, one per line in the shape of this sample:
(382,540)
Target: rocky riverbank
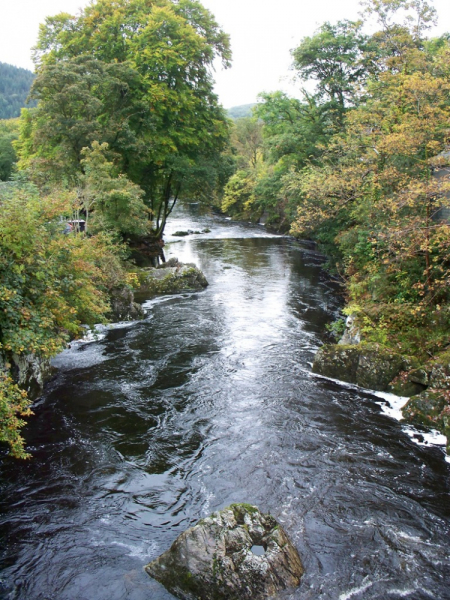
(31,372)
(376,367)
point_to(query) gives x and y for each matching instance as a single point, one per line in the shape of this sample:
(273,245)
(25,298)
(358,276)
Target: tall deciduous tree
(335,59)
(161,105)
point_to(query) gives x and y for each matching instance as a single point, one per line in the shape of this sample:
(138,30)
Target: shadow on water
(208,401)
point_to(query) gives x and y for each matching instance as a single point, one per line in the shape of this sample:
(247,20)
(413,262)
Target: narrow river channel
(208,401)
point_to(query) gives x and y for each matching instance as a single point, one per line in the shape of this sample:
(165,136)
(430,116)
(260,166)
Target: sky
(262,34)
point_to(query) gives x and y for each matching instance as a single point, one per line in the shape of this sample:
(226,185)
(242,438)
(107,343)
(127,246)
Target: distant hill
(15,86)
(244,110)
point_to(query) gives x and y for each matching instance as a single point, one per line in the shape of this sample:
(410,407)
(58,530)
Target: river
(208,401)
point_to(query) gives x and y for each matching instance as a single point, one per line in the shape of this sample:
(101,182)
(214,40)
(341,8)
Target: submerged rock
(190,232)
(237,553)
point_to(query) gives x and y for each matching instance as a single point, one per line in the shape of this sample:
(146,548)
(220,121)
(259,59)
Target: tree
(335,58)
(169,48)
(375,189)
(81,100)
(294,130)
(9,131)
(398,46)
(247,140)
(116,202)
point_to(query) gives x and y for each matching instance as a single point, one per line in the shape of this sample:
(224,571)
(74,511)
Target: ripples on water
(209,401)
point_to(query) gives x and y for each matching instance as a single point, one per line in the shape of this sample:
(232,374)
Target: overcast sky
(262,34)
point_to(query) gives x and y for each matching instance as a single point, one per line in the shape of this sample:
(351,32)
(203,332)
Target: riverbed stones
(214,559)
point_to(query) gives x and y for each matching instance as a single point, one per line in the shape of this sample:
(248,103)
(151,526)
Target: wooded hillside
(15,84)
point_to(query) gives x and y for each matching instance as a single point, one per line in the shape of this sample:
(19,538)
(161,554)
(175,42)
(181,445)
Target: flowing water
(210,400)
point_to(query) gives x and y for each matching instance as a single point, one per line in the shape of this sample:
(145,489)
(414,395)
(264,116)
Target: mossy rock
(420,376)
(170,280)
(123,306)
(432,409)
(368,365)
(440,374)
(407,388)
(214,559)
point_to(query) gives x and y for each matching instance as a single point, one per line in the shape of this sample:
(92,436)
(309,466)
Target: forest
(127,123)
(15,84)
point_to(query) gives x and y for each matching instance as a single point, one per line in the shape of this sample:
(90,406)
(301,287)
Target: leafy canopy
(135,74)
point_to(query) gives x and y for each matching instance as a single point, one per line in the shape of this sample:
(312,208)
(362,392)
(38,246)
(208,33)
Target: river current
(210,400)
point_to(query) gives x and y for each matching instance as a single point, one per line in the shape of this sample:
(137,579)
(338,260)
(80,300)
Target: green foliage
(284,134)
(81,100)
(247,141)
(335,57)
(294,130)
(13,405)
(9,132)
(135,74)
(375,179)
(239,194)
(115,202)
(15,84)
(51,286)
(336,328)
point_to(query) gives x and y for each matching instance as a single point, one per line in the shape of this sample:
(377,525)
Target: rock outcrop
(377,368)
(29,371)
(123,306)
(431,407)
(237,553)
(171,277)
(368,365)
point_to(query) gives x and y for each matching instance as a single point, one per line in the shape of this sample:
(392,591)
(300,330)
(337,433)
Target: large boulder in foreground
(237,553)
(368,365)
